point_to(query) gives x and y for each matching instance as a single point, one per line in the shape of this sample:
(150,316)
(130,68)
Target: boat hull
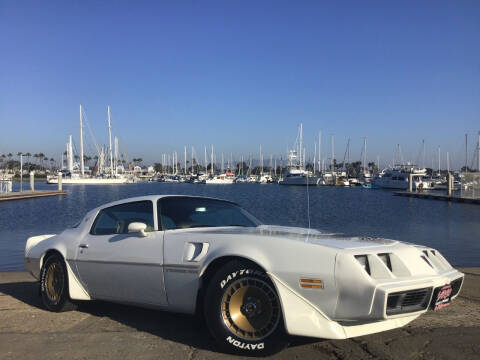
(299,180)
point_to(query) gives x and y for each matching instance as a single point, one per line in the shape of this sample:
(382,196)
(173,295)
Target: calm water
(454,229)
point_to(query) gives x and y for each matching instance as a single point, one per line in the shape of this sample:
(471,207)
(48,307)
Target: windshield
(190,212)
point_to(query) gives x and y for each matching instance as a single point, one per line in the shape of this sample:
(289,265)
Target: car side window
(115,219)
(184,212)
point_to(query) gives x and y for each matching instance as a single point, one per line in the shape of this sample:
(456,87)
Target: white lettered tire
(54,284)
(243,311)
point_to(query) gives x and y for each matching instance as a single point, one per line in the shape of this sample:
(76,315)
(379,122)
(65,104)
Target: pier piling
(59,181)
(32,180)
(449,184)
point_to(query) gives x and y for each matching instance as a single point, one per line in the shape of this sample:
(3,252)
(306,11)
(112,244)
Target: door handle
(83,246)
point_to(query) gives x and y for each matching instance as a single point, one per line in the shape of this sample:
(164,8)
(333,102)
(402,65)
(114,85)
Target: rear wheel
(243,311)
(54,284)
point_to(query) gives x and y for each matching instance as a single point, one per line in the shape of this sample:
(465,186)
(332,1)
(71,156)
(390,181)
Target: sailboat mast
(191,160)
(115,157)
(439,161)
(110,141)
(320,151)
(333,154)
(261,161)
(70,154)
(423,154)
(206,172)
(211,163)
(364,155)
(478,152)
(250,164)
(301,146)
(81,143)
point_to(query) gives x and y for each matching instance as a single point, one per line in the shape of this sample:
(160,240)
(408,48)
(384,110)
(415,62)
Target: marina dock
(444,197)
(18,195)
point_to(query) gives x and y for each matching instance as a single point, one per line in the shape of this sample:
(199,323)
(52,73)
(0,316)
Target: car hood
(307,235)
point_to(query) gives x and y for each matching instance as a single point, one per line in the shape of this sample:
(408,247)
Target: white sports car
(254,283)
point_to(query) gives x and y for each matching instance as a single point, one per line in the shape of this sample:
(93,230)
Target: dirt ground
(99,330)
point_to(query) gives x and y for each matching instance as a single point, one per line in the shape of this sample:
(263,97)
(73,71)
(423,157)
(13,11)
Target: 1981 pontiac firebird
(254,283)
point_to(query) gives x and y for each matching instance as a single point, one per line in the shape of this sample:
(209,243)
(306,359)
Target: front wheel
(243,311)
(54,284)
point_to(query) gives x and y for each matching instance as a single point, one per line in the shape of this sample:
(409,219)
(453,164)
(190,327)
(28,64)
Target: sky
(240,74)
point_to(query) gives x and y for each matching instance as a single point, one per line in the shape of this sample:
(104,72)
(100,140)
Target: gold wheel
(54,282)
(250,308)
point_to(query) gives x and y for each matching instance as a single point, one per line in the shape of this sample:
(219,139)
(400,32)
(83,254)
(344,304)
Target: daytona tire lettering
(234,274)
(245,346)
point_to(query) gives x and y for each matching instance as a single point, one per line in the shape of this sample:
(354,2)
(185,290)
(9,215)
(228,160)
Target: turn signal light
(311,283)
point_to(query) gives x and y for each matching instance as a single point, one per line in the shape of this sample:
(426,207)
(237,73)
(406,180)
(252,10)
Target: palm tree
(87,159)
(9,156)
(52,161)
(28,156)
(40,157)
(19,154)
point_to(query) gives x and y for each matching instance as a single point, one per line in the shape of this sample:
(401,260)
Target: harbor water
(452,228)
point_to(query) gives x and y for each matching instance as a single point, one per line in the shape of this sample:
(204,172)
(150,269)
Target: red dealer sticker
(443,297)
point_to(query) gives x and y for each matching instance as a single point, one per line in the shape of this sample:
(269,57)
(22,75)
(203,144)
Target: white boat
(252,179)
(76,173)
(5,183)
(227,178)
(241,179)
(264,179)
(296,173)
(398,177)
(327,178)
(298,177)
(76,180)
(342,181)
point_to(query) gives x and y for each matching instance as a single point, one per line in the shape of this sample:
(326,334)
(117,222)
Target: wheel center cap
(251,307)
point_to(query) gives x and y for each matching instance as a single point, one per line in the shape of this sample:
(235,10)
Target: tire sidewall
(50,305)
(229,341)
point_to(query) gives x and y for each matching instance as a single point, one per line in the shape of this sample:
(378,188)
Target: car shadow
(186,329)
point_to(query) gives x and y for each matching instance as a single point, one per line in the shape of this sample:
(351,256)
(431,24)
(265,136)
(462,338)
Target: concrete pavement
(99,330)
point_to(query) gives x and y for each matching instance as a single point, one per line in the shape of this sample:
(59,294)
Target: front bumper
(304,318)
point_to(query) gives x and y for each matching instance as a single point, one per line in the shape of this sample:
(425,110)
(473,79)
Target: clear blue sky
(241,73)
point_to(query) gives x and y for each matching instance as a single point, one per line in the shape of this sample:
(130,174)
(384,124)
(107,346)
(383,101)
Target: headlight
(363,260)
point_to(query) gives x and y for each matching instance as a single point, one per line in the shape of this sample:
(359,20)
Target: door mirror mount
(137,227)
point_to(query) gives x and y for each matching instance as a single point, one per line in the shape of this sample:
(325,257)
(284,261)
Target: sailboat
(75,173)
(295,173)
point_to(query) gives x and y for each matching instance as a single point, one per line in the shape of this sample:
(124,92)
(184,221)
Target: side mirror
(137,227)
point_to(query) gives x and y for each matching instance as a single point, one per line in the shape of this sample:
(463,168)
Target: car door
(116,265)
